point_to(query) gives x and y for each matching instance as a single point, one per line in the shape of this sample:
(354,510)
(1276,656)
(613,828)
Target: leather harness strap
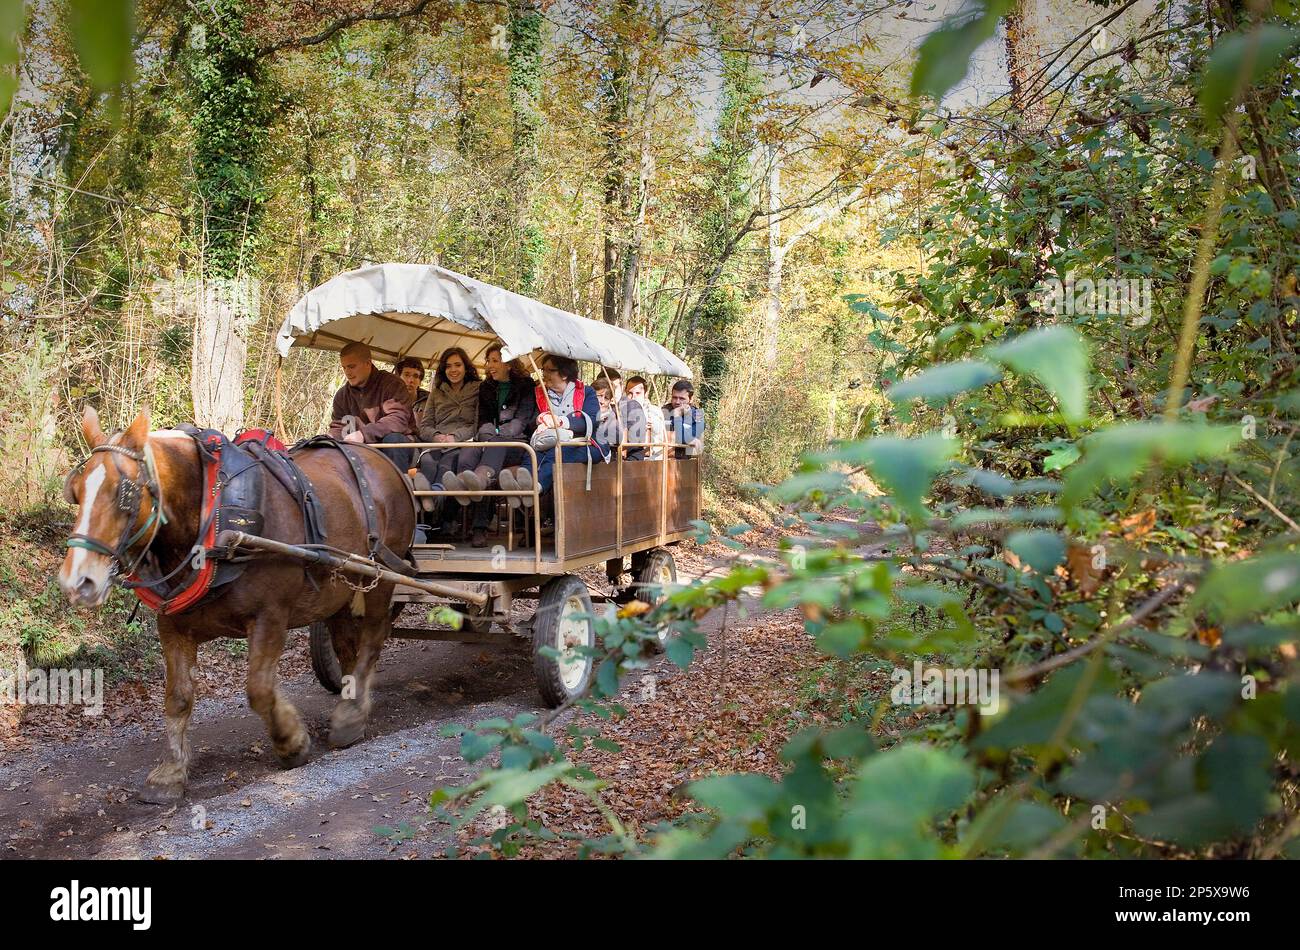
(379,552)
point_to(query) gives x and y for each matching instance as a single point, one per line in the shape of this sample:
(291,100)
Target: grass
(35,617)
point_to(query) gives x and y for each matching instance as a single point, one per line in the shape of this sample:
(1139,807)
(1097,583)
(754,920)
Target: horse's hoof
(294,759)
(346,731)
(162,794)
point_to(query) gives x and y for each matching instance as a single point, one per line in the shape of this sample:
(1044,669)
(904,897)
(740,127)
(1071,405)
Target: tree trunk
(224,310)
(615,91)
(230,105)
(525,62)
(1024,53)
(775,258)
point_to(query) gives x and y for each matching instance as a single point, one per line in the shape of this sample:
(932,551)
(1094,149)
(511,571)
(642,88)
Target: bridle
(130,495)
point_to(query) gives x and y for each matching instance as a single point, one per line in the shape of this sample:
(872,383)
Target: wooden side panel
(590,517)
(683,494)
(641,487)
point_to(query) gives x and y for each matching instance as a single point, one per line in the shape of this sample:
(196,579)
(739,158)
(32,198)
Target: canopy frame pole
(537,501)
(279,400)
(618,455)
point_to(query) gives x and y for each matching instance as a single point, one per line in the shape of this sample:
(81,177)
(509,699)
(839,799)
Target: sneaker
(508,483)
(422,484)
(453,483)
(480,538)
(471,482)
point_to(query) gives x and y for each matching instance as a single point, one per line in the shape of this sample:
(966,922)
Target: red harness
(206,569)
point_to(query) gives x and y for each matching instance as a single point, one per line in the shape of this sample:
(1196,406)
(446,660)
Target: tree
(229,121)
(525,59)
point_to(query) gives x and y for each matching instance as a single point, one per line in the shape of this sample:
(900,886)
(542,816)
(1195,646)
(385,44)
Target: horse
(139,496)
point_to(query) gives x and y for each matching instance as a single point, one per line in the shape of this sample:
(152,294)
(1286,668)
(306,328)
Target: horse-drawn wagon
(625,515)
(241,538)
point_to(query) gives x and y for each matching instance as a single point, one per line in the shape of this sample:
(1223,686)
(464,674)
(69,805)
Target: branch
(338,26)
(1266,503)
(1148,607)
(819,219)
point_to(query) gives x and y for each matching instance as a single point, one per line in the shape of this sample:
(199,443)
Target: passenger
(571,405)
(373,406)
(411,371)
(631,415)
(608,423)
(450,415)
(656,429)
(684,420)
(507,412)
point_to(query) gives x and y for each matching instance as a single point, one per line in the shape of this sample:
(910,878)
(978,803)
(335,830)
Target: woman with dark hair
(450,415)
(507,412)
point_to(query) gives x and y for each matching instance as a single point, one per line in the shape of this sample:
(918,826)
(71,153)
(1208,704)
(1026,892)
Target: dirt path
(78,798)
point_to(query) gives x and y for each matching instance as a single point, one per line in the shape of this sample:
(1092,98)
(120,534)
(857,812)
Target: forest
(990,307)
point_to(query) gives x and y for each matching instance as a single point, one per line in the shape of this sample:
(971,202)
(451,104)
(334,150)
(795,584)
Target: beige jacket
(449,412)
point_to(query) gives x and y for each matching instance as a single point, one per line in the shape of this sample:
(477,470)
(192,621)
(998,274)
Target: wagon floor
(441,553)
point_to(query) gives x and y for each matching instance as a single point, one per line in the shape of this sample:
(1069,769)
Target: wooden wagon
(628,519)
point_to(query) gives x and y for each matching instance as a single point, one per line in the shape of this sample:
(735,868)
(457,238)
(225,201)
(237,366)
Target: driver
(373,406)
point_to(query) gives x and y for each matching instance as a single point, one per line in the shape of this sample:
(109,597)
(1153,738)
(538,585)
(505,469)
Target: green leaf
(1241,589)
(944,55)
(1261,635)
(915,782)
(1034,720)
(1120,452)
(509,787)
(1060,458)
(1041,550)
(13,19)
(679,650)
(904,467)
(102,35)
(1180,699)
(1249,56)
(474,746)
(745,797)
(804,483)
(1058,358)
(1018,825)
(945,381)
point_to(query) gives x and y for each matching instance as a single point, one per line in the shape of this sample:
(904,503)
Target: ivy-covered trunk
(525,60)
(229,121)
(724,222)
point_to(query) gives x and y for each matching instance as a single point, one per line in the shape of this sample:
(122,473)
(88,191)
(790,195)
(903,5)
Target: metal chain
(359,588)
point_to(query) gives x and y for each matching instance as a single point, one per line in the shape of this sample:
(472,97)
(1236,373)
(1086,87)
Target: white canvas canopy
(421,309)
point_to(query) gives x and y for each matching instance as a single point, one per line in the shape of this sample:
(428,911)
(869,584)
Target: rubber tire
(646,576)
(324,661)
(545,625)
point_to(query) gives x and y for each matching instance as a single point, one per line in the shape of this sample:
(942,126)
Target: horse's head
(119,509)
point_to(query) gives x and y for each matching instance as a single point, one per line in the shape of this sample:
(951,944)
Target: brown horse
(163,476)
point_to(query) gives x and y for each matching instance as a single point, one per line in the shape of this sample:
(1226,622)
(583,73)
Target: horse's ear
(138,431)
(90,427)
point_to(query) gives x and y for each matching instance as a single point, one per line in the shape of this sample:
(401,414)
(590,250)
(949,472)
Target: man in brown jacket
(374,406)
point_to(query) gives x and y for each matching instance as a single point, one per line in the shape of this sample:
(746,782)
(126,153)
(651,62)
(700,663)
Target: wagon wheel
(560,623)
(324,661)
(655,576)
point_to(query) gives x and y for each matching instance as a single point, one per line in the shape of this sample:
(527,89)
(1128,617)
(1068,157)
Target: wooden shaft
(351,564)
